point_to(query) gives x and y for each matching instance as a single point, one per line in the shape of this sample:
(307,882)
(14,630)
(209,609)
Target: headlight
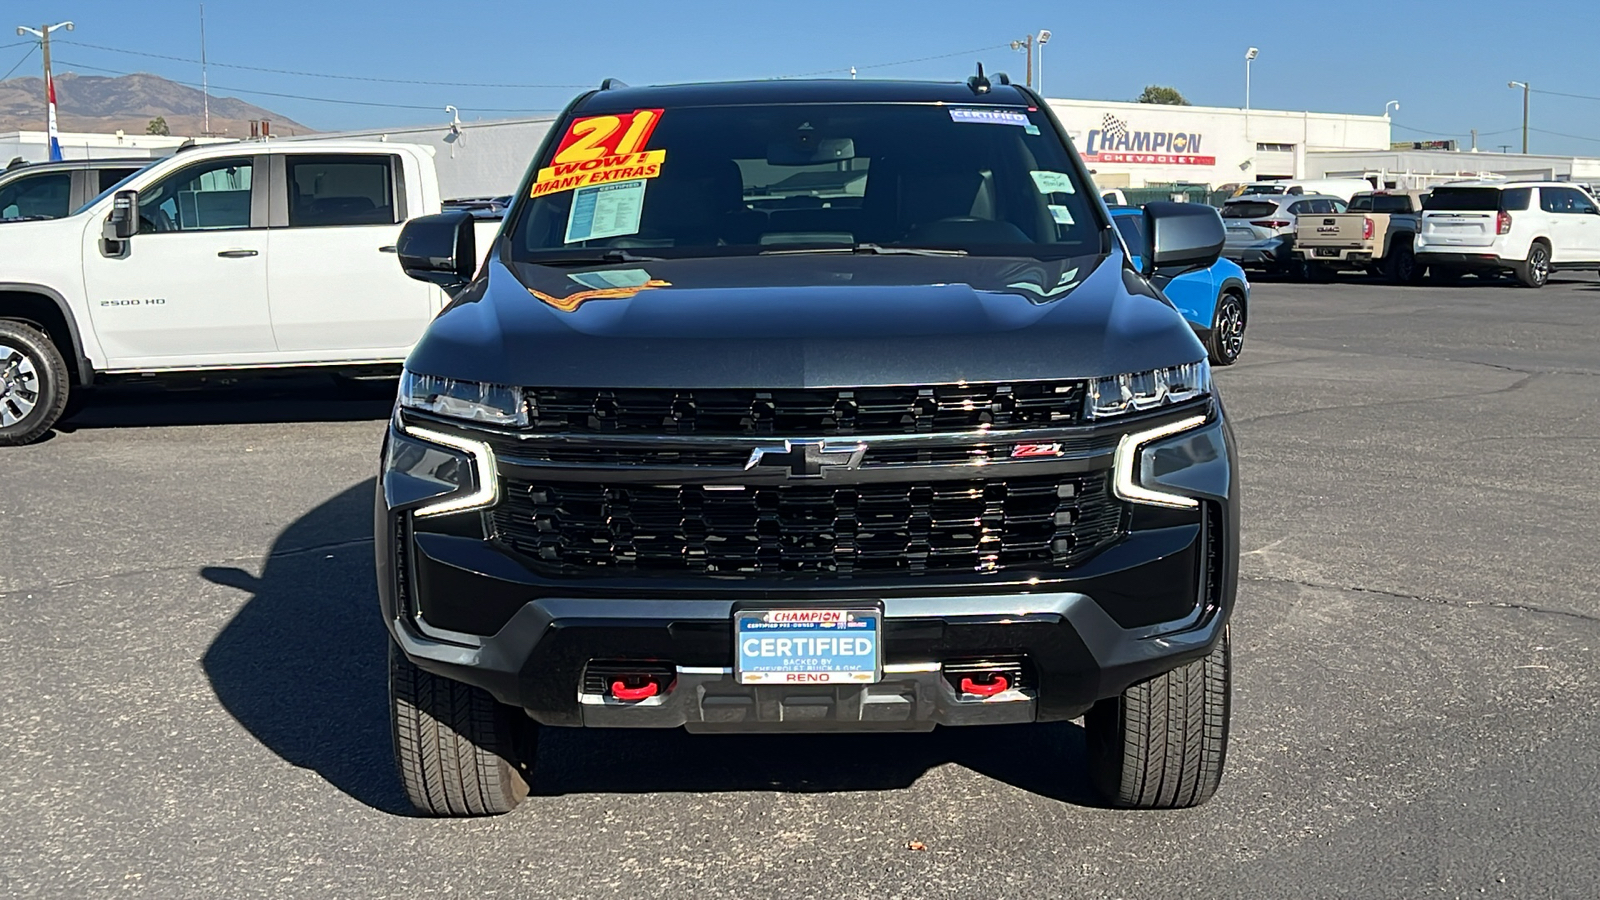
(453,474)
(494,404)
(1118,395)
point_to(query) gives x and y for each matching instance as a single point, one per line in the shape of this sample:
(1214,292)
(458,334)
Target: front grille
(877,456)
(931,409)
(911,528)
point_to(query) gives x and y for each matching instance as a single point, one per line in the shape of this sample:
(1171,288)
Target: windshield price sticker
(807,646)
(994,117)
(605,210)
(1061,214)
(602,149)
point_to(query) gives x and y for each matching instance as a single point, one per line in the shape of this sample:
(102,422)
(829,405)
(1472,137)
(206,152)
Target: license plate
(1327,251)
(808,646)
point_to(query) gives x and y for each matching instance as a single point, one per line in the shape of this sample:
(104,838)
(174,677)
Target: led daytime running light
(1126,464)
(483,463)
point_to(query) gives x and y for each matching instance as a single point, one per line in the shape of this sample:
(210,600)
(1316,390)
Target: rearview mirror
(123,223)
(807,149)
(1184,235)
(440,249)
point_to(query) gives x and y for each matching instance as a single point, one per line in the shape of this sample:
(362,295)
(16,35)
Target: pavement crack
(1452,602)
(1517,385)
(189,566)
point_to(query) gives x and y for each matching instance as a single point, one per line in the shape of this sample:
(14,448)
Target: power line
(432,108)
(903,62)
(16,44)
(1561,94)
(1452,134)
(1576,137)
(25,58)
(471,84)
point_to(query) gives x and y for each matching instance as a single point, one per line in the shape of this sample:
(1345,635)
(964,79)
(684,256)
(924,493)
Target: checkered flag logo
(1113,128)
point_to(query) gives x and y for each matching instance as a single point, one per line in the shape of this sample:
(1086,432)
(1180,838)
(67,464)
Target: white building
(474,159)
(34,146)
(1135,144)
(1421,168)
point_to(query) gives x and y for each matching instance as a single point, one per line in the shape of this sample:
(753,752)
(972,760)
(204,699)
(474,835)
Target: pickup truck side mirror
(123,223)
(1182,235)
(440,249)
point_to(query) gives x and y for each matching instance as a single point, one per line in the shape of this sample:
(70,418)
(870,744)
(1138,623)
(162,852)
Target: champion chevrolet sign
(1114,142)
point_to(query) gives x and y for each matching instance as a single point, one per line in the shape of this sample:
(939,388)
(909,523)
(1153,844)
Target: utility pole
(1525,91)
(205,86)
(43,34)
(1027,45)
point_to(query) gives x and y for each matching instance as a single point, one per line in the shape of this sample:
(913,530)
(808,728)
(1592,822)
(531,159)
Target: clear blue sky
(1333,55)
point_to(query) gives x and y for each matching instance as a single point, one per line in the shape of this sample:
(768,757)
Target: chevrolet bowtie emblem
(807,459)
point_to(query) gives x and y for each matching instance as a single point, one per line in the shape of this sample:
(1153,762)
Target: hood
(805,321)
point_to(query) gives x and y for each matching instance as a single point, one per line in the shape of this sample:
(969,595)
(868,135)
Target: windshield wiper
(614,255)
(870,250)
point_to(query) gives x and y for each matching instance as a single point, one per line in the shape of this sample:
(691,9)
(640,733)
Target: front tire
(456,747)
(1534,272)
(34,384)
(1163,743)
(1226,340)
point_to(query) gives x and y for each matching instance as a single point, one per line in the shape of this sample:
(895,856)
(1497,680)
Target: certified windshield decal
(1053,182)
(602,149)
(619,284)
(994,117)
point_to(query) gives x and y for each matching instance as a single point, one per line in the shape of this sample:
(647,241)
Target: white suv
(1529,228)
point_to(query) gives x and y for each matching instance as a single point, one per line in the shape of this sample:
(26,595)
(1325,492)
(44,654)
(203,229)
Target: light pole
(1393,103)
(1249,57)
(43,34)
(1525,91)
(1042,39)
(1026,44)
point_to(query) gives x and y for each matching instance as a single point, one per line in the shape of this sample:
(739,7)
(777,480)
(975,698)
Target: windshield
(1452,199)
(1248,209)
(113,189)
(1381,203)
(711,181)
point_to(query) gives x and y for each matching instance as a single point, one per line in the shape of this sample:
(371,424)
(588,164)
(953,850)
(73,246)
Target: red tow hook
(998,685)
(621,691)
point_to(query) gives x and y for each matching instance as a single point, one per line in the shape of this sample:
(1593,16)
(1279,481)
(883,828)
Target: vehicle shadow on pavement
(303,663)
(259,401)
(302,666)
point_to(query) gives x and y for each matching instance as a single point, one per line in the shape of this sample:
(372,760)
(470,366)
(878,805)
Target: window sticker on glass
(605,210)
(1053,182)
(993,117)
(1061,214)
(602,149)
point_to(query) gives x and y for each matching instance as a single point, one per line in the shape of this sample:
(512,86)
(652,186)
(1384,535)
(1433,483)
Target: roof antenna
(978,83)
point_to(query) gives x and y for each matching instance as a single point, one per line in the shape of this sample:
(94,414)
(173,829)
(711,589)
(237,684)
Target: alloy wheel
(1539,263)
(1230,327)
(19,385)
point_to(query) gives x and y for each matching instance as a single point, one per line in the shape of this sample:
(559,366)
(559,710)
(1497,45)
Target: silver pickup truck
(1374,235)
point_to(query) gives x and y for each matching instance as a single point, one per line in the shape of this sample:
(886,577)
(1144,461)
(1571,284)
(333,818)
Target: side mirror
(439,249)
(1182,235)
(124,220)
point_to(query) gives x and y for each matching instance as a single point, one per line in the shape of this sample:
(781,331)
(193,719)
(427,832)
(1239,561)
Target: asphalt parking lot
(193,665)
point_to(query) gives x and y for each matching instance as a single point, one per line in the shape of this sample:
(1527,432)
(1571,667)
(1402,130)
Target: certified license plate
(807,646)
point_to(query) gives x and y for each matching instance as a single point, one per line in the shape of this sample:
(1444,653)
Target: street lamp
(1249,57)
(1393,103)
(1042,39)
(1525,91)
(43,34)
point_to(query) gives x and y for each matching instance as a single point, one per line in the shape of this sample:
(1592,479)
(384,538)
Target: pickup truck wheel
(1226,341)
(456,747)
(1535,270)
(33,384)
(1162,744)
(1401,266)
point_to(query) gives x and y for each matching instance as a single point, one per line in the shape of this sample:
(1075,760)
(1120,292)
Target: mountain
(129,102)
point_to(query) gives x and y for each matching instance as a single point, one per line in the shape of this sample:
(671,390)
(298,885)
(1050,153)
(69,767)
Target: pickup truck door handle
(237,254)
(391,248)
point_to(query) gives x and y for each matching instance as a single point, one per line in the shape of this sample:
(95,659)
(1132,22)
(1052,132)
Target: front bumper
(1157,598)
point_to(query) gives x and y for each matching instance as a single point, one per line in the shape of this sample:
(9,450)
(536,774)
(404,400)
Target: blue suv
(1216,300)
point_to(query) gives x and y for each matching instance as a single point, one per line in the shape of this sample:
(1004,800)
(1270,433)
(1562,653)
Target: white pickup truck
(246,256)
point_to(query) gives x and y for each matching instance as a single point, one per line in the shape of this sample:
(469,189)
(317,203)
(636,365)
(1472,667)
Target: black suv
(807,406)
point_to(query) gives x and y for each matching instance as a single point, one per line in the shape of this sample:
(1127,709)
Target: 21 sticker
(601,149)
